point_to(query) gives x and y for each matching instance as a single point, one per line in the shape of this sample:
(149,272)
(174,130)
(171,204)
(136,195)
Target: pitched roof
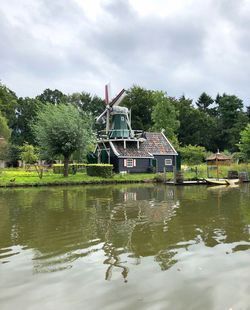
(154,144)
(218,156)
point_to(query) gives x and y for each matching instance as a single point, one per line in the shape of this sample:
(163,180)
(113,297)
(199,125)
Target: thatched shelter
(219,159)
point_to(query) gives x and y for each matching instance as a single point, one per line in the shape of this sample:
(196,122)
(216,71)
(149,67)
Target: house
(148,153)
(131,150)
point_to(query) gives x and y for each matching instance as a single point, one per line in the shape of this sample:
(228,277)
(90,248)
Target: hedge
(73,168)
(99,170)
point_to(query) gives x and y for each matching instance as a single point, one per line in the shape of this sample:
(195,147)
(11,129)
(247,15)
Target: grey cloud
(60,45)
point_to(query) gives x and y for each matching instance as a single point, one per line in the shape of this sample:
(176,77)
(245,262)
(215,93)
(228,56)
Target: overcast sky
(181,46)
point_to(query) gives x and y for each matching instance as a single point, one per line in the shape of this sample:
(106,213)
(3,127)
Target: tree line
(211,123)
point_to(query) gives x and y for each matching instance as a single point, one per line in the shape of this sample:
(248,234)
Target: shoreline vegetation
(18,177)
(22,178)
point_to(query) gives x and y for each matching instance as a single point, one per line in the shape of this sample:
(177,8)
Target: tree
(141,102)
(5,131)
(28,154)
(244,144)
(4,137)
(164,115)
(86,103)
(231,121)
(52,96)
(248,113)
(196,126)
(26,113)
(8,103)
(193,154)
(61,130)
(204,101)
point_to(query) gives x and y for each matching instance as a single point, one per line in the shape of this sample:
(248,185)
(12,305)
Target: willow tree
(62,130)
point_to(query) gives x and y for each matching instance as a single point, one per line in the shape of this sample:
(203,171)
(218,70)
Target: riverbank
(21,178)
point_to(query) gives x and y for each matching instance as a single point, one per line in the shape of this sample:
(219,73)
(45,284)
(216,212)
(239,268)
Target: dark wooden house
(151,153)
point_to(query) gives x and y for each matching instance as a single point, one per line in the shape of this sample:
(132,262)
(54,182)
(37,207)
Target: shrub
(99,170)
(159,178)
(192,154)
(73,168)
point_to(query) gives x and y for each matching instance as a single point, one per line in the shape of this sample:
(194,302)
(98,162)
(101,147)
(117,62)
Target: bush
(159,178)
(99,170)
(73,168)
(192,154)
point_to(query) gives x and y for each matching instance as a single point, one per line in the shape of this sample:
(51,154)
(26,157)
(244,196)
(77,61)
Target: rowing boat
(222,181)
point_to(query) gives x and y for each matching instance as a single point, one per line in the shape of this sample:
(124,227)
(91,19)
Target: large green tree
(248,113)
(244,144)
(62,130)
(26,113)
(52,96)
(4,137)
(88,104)
(204,102)
(5,131)
(196,126)
(231,121)
(8,104)
(141,102)
(165,116)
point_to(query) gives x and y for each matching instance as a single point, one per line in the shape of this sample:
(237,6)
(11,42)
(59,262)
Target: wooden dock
(196,182)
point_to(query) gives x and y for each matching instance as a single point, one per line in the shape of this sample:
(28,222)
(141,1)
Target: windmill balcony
(119,134)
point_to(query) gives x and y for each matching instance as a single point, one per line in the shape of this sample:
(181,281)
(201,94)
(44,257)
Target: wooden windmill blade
(105,113)
(118,99)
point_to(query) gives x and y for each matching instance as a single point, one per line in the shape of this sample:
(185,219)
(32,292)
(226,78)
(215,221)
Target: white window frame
(129,162)
(168,162)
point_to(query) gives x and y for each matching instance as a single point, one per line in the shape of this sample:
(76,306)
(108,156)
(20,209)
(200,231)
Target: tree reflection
(124,224)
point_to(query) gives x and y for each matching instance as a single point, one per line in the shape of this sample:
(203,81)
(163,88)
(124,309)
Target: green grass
(190,171)
(21,177)
(12,177)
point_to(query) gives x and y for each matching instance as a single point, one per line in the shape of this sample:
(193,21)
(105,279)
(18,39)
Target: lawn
(12,177)
(200,171)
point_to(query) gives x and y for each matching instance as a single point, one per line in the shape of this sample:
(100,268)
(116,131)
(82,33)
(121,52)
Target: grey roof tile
(155,143)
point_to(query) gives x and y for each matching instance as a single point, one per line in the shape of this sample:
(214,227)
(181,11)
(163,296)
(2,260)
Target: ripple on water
(64,258)
(6,253)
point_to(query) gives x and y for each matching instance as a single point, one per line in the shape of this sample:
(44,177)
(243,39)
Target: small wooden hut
(219,159)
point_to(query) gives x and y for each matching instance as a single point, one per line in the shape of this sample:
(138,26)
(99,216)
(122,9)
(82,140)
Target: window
(129,162)
(168,162)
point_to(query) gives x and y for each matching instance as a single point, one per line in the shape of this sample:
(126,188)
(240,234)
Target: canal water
(125,247)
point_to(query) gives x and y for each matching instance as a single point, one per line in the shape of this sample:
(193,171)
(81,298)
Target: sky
(180,47)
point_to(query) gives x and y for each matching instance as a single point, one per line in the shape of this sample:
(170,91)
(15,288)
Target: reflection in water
(115,231)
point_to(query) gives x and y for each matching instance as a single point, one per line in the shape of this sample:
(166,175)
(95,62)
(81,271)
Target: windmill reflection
(136,213)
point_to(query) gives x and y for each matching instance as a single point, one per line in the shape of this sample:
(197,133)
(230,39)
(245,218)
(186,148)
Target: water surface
(125,247)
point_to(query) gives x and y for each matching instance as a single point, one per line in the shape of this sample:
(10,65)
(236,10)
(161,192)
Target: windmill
(118,119)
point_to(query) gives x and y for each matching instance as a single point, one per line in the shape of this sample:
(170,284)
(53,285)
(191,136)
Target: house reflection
(136,213)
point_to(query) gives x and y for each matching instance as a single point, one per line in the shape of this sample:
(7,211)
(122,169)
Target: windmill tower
(117,119)
(118,128)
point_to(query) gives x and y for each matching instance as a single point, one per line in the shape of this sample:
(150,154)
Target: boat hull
(221,181)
